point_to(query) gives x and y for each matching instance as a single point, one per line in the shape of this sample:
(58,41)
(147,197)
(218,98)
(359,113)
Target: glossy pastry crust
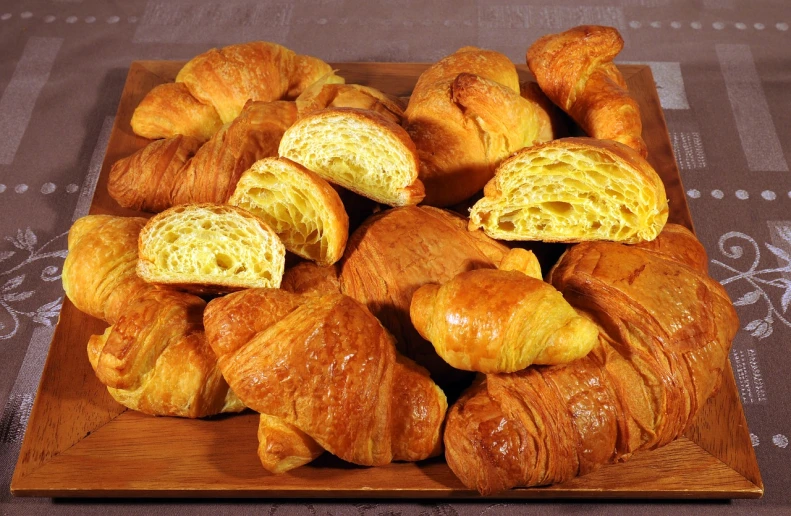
(169,110)
(99,272)
(228,77)
(331,92)
(212,88)
(327,366)
(156,360)
(574,68)
(283,447)
(398,251)
(497,321)
(465,115)
(181,170)
(307,278)
(665,332)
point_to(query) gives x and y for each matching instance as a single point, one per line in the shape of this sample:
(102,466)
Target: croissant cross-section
(210,248)
(573,190)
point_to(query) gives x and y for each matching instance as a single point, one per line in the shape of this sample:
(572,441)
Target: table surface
(723,72)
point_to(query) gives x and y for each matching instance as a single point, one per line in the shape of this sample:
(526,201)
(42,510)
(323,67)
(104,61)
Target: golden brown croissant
(283,447)
(327,366)
(575,70)
(500,321)
(396,252)
(99,272)
(330,91)
(307,277)
(665,331)
(212,88)
(465,115)
(179,170)
(228,77)
(154,358)
(169,110)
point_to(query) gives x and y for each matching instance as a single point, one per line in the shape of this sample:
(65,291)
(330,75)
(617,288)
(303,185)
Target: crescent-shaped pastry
(212,88)
(501,321)
(575,70)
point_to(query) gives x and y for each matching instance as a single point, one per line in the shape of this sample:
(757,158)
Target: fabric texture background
(723,72)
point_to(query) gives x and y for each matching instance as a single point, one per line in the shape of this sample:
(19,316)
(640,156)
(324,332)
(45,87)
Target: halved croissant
(573,190)
(575,70)
(212,88)
(359,150)
(500,321)
(154,358)
(210,248)
(465,115)
(180,170)
(324,364)
(665,331)
(301,207)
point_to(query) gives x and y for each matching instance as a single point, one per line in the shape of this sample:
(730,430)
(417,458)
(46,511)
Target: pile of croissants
(352,268)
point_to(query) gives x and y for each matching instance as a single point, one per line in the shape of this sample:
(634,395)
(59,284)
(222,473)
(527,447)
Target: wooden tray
(80,442)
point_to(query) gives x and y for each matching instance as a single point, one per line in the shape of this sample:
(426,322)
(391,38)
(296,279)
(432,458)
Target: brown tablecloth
(723,71)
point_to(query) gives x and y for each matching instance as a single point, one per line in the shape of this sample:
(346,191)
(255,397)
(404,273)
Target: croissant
(396,252)
(179,170)
(210,248)
(572,190)
(170,110)
(99,275)
(665,329)
(283,447)
(359,150)
(331,92)
(325,365)
(575,70)
(307,277)
(154,358)
(218,83)
(500,321)
(465,115)
(301,207)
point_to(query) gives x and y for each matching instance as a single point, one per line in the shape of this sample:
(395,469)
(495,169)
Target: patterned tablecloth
(723,72)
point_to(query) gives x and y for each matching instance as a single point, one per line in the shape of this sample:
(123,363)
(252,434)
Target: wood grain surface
(79,442)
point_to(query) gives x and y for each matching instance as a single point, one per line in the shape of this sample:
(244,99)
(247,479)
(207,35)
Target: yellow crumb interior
(356,154)
(210,244)
(567,194)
